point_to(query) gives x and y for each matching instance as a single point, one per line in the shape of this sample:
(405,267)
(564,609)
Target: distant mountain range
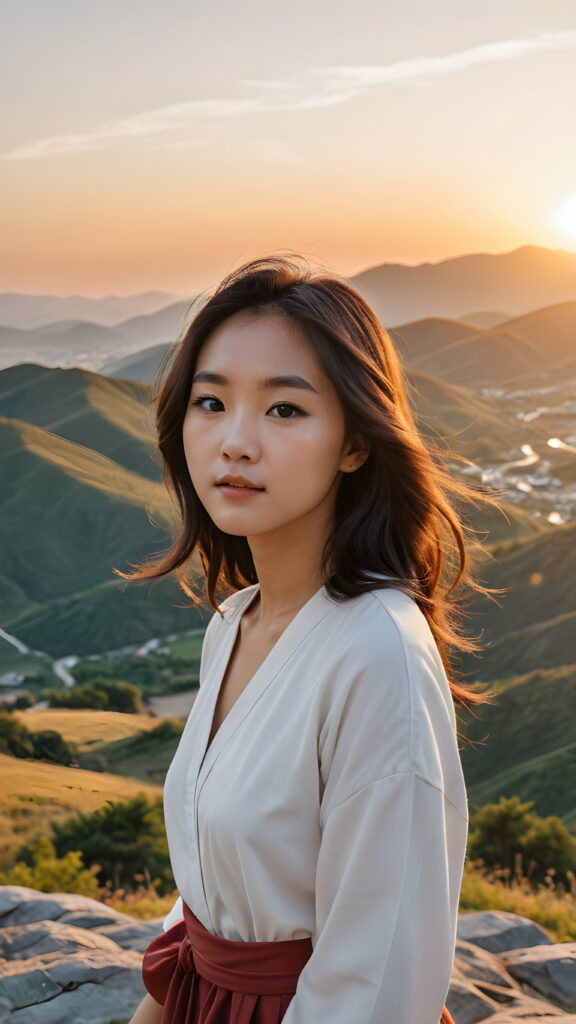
(533,350)
(27,311)
(518,281)
(422,307)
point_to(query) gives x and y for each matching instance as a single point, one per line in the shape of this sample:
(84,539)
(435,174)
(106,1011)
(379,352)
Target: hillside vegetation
(40,792)
(63,597)
(531,625)
(86,728)
(525,743)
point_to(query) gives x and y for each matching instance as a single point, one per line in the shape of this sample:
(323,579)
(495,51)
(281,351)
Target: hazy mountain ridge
(18,309)
(410,301)
(519,281)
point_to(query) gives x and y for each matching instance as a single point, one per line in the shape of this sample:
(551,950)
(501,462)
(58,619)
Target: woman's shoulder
(384,682)
(383,620)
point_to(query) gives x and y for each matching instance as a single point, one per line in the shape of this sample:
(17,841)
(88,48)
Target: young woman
(316,808)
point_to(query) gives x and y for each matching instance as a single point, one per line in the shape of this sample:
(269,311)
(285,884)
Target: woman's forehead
(259,340)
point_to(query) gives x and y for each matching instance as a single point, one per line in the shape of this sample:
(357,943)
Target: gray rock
(22,942)
(498,930)
(533,1013)
(136,935)
(477,964)
(20,905)
(551,970)
(55,972)
(92,1004)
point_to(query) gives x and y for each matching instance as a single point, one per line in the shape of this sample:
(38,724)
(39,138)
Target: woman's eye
(285,411)
(206,398)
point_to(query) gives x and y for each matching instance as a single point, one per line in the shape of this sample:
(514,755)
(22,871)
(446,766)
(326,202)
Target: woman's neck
(288,579)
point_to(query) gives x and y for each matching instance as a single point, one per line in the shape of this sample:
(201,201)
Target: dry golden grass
(35,792)
(551,906)
(84,726)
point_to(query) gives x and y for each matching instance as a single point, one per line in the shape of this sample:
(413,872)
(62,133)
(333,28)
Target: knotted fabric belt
(260,968)
(200,977)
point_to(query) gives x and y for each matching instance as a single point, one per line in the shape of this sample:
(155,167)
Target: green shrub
(100,694)
(14,737)
(50,873)
(51,746)
(23,701)
(124,839)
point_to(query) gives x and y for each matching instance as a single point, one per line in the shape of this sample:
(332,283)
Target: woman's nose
(240,440)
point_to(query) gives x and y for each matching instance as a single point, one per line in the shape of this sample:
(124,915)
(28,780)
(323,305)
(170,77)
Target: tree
(123,839)
(499,832)
(24,700)
(14,737)
(51,746)
(100,694)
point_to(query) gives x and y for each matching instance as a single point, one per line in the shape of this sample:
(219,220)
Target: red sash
(201,978)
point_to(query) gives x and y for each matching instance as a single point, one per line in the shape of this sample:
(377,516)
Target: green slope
(472,425)
(70,516)
(105,415)
(525,742)
(146,755)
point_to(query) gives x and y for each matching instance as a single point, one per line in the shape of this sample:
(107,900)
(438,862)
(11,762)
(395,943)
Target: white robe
(331,803)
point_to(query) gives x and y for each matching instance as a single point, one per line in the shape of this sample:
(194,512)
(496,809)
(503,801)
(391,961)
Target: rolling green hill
(104,415)
(536,346)
(534,619)
(526,743)
(70,516)
(145,755)
(474,426)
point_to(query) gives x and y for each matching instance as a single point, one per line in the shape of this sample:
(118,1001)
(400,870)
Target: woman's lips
(236,491)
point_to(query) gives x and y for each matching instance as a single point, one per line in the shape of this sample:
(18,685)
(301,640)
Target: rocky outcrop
(68,959)
(507,969)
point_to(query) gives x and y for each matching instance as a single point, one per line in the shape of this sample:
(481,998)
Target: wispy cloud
(320,87)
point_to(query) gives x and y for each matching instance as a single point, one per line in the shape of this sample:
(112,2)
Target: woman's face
(261,408)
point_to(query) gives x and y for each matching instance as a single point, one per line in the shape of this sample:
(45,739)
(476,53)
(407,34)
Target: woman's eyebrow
(291,380)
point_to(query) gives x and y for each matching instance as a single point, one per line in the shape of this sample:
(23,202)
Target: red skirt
(201,978)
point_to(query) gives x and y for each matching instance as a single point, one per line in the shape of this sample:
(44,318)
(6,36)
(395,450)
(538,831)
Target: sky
(158,145)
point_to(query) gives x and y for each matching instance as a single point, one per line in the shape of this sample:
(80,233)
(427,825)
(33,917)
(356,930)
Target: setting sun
(566,216)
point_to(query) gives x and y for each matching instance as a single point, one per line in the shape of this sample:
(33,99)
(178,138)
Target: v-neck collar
(307,617)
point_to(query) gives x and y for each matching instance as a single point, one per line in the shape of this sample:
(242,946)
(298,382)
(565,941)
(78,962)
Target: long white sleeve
(387,892)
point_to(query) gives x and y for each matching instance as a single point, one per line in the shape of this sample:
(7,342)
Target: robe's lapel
(297,630)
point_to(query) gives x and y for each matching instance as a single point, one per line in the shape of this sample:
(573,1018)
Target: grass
(524,743)
(551,907)
(145,755)
(39,792)
(188,646)
(85,727)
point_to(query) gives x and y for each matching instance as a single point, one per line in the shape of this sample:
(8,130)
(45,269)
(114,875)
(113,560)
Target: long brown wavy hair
(396,515)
